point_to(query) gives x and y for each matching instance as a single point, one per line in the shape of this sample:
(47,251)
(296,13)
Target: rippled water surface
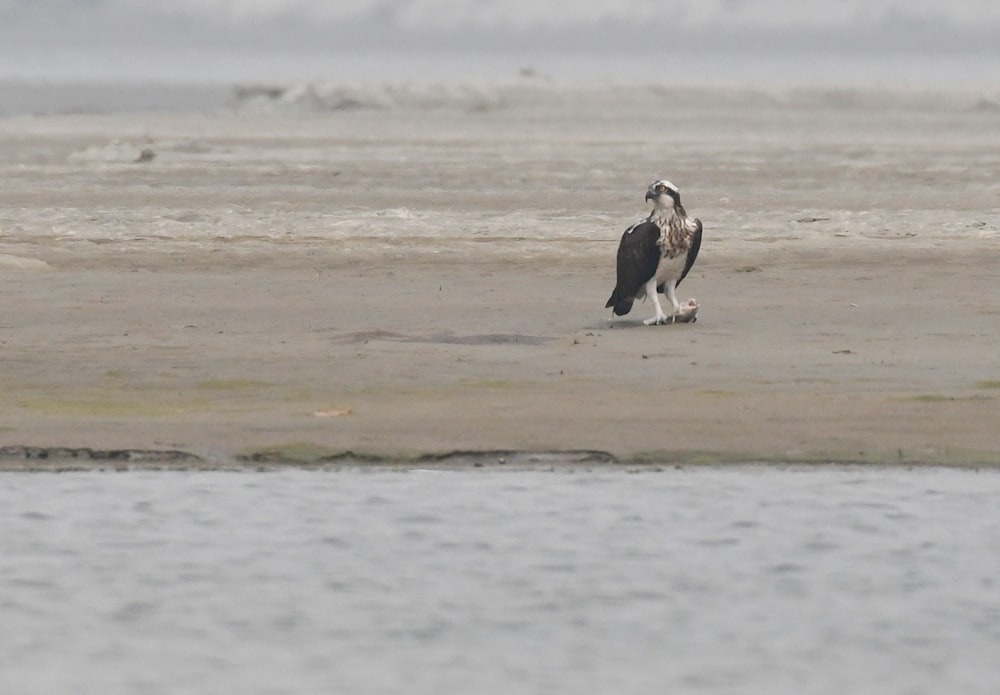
(699,580)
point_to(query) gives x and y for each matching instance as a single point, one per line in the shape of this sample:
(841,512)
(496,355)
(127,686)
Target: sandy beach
(285,285)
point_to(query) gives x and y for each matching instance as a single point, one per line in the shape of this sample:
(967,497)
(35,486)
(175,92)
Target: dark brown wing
(692,252)
(638,256)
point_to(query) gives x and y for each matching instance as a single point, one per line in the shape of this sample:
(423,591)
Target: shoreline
(21,459)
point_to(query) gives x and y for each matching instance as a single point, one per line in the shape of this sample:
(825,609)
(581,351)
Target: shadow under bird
(655,255)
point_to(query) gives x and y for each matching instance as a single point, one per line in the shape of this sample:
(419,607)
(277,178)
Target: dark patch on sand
(88,454)
(457,458)
(84,458)
(447,338)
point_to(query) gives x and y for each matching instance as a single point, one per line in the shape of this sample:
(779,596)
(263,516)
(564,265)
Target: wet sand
(801,359)
(395,298)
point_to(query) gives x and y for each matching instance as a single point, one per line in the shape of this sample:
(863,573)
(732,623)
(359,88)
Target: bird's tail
(622,304)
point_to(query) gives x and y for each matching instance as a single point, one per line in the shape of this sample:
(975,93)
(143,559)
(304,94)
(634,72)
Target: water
(132,56)
(734,580)
(748,41)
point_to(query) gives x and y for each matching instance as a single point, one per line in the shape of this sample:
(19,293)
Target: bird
(656,254)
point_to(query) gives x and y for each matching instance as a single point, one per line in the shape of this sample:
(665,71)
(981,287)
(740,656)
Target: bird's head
(663,194)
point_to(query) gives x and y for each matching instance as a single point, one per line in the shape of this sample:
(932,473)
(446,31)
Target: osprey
(656,254)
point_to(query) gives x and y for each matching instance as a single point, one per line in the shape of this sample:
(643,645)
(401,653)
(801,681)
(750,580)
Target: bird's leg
(671,292)
(659,317)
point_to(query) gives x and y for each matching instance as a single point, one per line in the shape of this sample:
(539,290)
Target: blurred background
(914,42)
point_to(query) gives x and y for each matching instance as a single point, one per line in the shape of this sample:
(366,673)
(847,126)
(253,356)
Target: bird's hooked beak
(650,195)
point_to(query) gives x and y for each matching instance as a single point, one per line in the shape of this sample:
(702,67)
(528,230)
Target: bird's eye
(661,188)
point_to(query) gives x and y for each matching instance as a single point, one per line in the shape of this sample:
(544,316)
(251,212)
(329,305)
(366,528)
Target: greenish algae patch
(231,385)
(930,398)
(988,384)
(289,452)
(719,393)
(99,407)
(941,398)
(109,401)
(491,384)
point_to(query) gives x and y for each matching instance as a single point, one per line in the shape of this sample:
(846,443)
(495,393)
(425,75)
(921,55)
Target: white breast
(670,268)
